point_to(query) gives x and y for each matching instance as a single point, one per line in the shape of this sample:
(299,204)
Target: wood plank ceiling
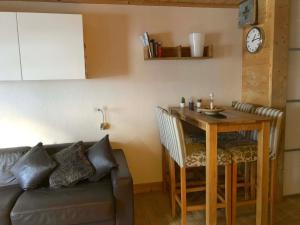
(189,3)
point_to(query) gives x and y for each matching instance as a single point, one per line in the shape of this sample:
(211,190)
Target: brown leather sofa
(107,202)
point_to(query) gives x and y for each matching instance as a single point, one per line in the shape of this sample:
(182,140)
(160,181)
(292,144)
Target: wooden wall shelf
(180,53)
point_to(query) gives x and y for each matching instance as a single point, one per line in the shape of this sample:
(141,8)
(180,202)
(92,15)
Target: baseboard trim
(147,187)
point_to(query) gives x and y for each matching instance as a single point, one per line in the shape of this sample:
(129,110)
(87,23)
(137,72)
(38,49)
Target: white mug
(197,44)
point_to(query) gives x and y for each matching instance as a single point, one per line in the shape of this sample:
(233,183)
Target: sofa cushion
(73,166)
(55,148)
(8,158)
(80,204)
(8,197)
(33,167)
(102,158)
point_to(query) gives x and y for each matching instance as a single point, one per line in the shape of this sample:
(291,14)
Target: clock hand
(254,37)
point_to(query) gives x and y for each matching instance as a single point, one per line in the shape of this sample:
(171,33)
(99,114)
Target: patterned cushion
(241,149)
(73,166)
(196,156)
(242,154)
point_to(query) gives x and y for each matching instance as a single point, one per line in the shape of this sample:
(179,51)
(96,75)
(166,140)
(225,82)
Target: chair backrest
(175,139)
(244,107)
(275,127)
(248,108)
(161,124)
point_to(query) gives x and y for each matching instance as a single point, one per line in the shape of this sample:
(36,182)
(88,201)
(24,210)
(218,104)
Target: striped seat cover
(245,149)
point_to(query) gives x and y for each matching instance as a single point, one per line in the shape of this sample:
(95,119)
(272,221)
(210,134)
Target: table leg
(263,174)
(211,174)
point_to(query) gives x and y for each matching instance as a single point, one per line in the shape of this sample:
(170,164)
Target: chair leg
(247,181)
(172,186)
(183,195)
(253,180)
(163,167)
(234,193)
(273,192)
(228,171)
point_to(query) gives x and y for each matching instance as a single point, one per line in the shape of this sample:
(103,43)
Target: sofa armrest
(123,190)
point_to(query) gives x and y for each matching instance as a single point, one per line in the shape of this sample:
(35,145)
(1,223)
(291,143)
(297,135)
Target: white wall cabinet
(9,47)
(41,46)
(51,46)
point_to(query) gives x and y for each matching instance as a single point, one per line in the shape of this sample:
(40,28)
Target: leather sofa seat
(8,197)
(86,203)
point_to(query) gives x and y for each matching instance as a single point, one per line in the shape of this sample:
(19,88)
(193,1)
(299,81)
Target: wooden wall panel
(280,54)
(255,84)
(264,79)
(189,3)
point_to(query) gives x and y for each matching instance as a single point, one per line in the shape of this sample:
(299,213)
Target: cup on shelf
(197,44)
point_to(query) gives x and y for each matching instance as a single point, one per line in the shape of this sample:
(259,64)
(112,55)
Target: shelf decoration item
(182,102)
(152,48)
(197,44)
(247,13)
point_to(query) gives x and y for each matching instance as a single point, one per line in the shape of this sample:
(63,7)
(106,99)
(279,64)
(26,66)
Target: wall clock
(254,39)
(247,13)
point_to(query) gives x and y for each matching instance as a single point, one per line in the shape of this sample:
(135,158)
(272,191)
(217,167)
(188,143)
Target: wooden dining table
(228,121)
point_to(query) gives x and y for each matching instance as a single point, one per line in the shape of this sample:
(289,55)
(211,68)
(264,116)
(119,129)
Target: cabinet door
(51,46)
(9,47)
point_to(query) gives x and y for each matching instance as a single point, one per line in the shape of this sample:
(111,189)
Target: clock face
(254,40)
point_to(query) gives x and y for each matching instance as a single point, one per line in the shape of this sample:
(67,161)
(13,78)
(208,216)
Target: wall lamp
(104,125)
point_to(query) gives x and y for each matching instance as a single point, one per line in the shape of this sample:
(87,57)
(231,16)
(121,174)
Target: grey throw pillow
(73,166)
(102,158)
(33,167)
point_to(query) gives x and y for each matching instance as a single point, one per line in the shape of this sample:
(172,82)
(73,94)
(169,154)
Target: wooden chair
(233,136)
(161,126)
(191,136)
(244,150)
(187,156)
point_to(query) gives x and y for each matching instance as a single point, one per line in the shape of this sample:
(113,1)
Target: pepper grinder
(211,102)
(191,104)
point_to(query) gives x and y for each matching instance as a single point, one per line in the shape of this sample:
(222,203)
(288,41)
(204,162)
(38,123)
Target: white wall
(63,111)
